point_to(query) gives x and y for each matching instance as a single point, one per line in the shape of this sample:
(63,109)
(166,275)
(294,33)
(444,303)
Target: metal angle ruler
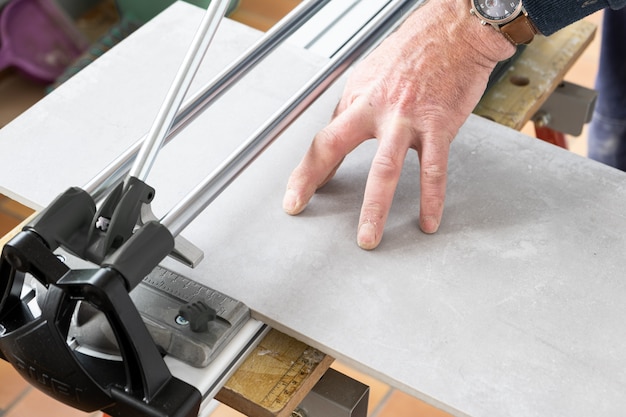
(160,299)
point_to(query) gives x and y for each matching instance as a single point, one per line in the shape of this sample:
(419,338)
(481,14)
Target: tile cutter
(87,314)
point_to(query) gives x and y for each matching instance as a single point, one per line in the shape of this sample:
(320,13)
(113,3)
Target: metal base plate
(159,299)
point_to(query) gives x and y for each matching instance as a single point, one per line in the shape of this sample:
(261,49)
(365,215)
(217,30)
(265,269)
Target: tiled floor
(17,399)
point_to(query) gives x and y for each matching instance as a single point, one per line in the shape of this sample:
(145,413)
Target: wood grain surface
(275,377)
(521,91)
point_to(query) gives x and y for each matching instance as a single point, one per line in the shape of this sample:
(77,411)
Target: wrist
(484,38)
(508,17)
(483,42)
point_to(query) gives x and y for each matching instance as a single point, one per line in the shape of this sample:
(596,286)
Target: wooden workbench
(517,96)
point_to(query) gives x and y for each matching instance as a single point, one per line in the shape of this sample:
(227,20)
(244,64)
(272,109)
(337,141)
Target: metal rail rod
(204,193)
(116,170)
(165,117)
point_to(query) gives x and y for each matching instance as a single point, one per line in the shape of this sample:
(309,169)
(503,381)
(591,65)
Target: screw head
(298,412)
(181,321)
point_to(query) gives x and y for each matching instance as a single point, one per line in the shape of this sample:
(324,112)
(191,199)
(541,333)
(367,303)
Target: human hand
(413,92)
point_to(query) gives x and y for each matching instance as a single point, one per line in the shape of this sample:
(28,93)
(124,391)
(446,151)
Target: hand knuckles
(330,140)
(434,173)
(386,166)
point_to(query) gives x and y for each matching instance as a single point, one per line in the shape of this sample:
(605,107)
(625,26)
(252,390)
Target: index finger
(330,145)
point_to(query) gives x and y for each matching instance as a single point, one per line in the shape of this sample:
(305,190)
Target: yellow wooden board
(275,377)
(520,92)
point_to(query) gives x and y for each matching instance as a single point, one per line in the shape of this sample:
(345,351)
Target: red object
(551,136)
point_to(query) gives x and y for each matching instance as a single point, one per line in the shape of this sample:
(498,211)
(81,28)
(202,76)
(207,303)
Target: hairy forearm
(469,39)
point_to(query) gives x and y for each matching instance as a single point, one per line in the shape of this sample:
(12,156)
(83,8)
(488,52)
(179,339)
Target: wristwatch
(506,16)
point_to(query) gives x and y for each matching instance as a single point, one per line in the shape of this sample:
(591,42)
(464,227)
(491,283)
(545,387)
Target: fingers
(433,178)
(345,132)
(383,180)
(334,142)
(381,185)
(323,158)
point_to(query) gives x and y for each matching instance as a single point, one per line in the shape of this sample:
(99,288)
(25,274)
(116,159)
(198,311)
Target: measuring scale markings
(293,378)
(184,289)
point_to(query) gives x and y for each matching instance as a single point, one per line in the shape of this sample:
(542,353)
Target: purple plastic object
(38,39)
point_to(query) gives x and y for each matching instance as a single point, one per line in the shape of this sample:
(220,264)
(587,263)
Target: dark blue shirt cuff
(552,15)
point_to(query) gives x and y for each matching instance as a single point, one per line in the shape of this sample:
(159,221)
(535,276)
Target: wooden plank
(275,377)
(517,96)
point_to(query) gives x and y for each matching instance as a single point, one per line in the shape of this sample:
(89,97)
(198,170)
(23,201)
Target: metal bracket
(335,395)
(567,109)
(184,251)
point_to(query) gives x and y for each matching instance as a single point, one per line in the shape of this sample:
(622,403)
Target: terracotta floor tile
(15,209)
(37,404)
(12,386)
(17,94)
(7,223)
(400,404)
(225,411)
(261,14)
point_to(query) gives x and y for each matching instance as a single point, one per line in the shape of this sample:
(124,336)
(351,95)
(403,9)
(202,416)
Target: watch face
(497,10)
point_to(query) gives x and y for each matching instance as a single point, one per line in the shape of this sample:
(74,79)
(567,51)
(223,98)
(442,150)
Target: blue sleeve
(552,15)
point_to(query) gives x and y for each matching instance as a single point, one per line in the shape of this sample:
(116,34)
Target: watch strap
(519,31)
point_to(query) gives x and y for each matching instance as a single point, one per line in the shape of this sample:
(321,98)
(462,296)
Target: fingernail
(430,224)
(290,202)
(366,236)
